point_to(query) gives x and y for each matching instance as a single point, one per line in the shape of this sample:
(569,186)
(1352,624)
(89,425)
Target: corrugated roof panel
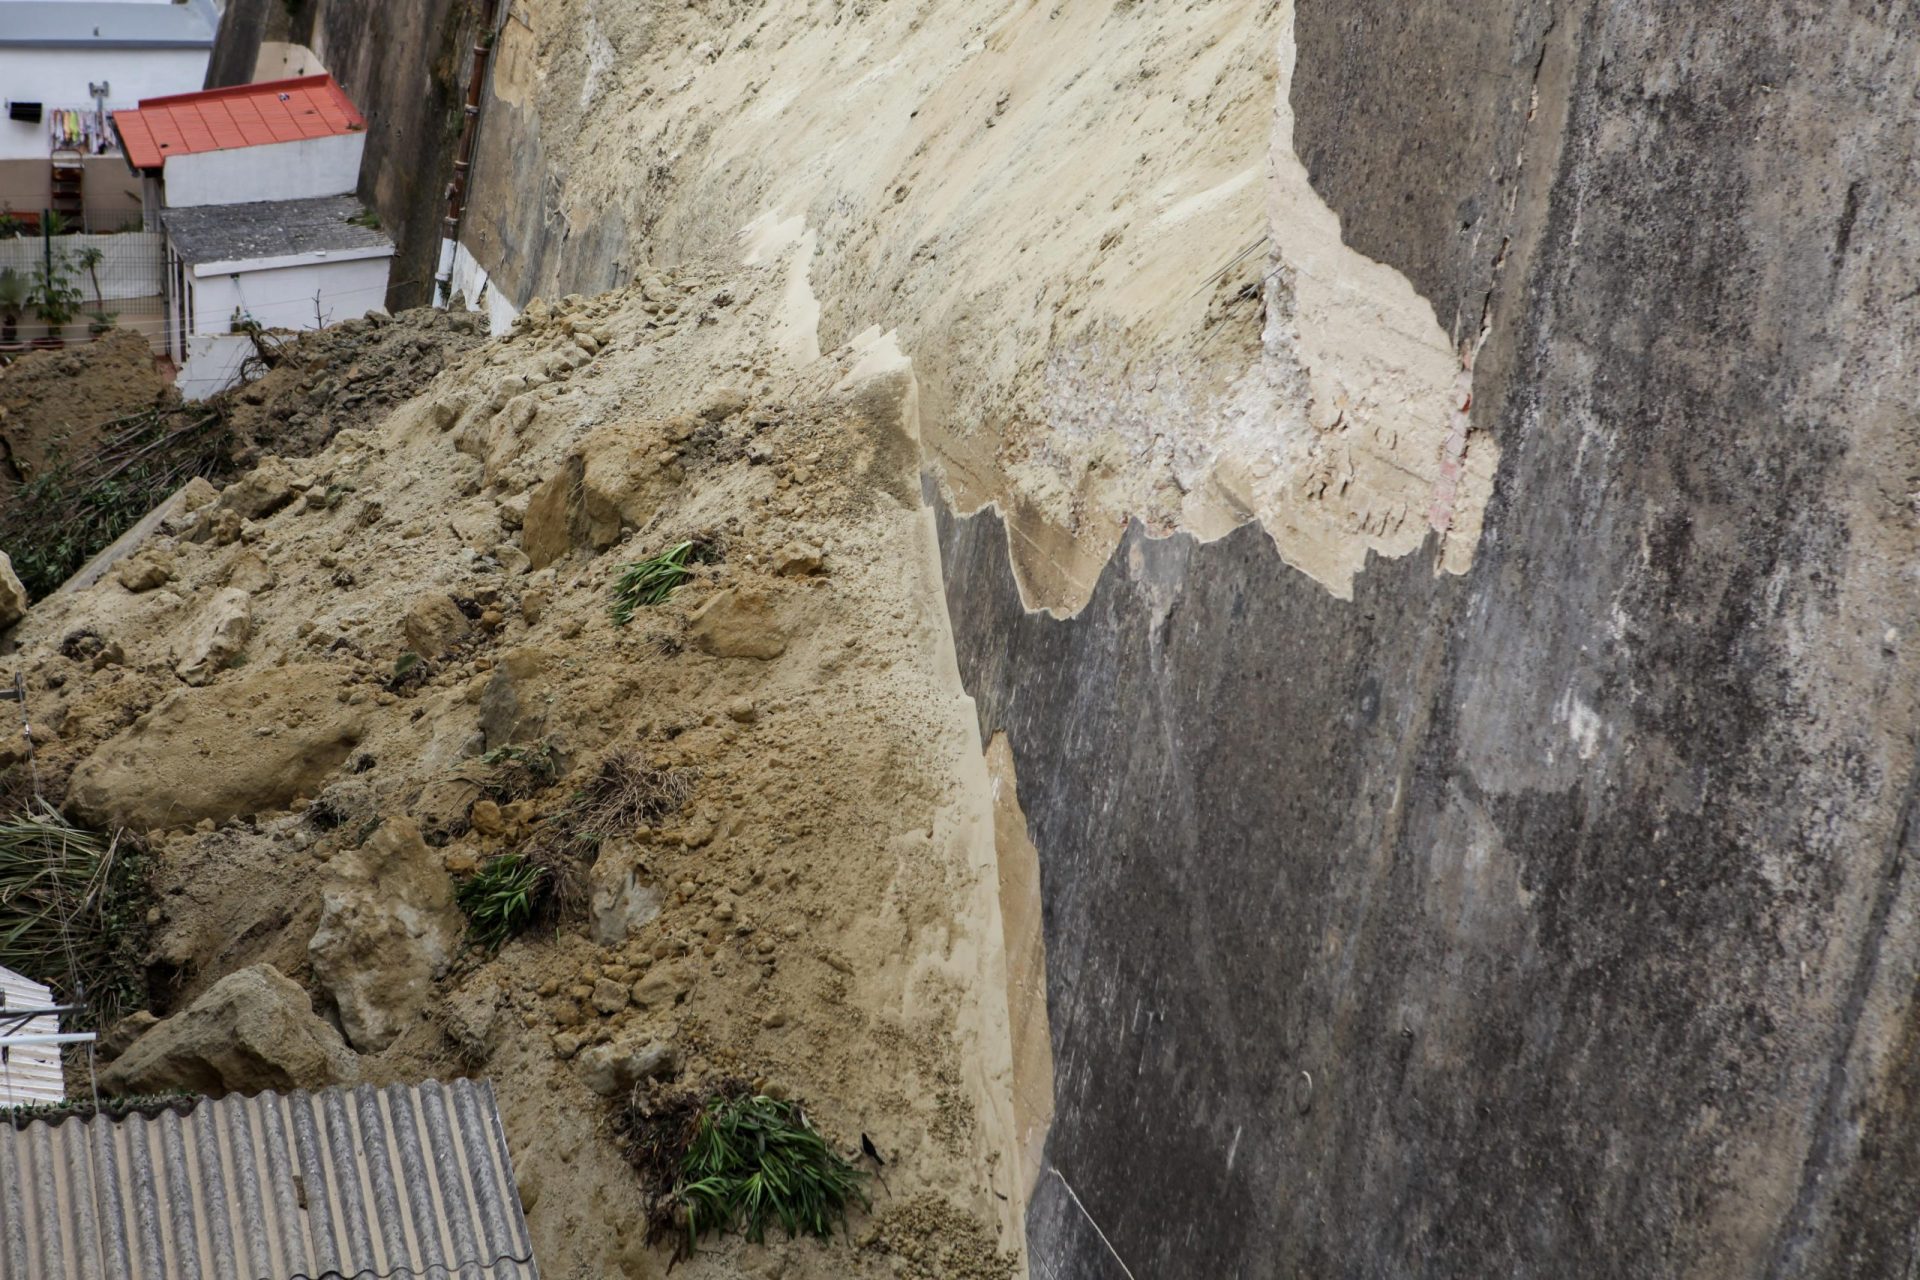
(29,1073)
(402,1181)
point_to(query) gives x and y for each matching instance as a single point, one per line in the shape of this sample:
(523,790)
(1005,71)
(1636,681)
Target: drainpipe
(463,159)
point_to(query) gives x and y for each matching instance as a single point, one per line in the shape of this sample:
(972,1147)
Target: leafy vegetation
(738,1161)
(651,581)
(83,499)
(503,899)
(73,910)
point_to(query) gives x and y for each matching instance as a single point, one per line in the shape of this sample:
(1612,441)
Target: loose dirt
(821,913)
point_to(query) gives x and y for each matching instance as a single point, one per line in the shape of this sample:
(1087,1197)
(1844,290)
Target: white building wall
(470,282)
(278,171)
(276,298)
(59,78)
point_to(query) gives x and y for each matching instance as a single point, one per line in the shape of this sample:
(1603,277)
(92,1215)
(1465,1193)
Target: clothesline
(80,130)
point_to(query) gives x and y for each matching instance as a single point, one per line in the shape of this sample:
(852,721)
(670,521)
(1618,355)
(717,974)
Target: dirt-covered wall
(1428,505)
(406,67)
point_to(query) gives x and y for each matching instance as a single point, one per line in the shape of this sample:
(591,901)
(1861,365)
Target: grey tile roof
(268,229)
(98,24)
(403,1183)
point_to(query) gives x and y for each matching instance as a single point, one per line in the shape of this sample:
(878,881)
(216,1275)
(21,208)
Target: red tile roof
(247,115)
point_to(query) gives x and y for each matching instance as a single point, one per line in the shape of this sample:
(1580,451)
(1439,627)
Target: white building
(276,140)
(274,265)
(65,65)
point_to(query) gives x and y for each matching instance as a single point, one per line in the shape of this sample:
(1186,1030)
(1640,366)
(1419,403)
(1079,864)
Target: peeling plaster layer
(1086,225)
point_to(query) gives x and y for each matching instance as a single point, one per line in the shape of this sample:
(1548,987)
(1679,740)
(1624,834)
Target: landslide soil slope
(377,633)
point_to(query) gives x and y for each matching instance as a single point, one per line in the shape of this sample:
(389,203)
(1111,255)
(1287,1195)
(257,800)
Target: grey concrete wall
(1554,920)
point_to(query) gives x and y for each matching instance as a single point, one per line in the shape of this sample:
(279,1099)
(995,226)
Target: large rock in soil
(254,1029)
(388,928)
(622,899)
(216,636)
(434,626)
(249,743)
(739,622)
(13,595)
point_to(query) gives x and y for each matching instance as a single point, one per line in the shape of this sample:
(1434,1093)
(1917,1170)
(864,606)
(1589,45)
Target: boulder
(613,1069)
(513,705)
(620,899)
(249,743)
(251,574)
(434,626)
(620,484)
(388,928)
(261,492)
(798,560)
(546,530)
(666,983)
(13,595)
(254,1029)
(721,402)
(739,622)
(145,571)
(215,637)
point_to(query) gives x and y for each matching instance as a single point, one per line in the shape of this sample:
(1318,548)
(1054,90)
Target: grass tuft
(505,898)
(627,793)
(739,1161)
(72,910)
(651,581)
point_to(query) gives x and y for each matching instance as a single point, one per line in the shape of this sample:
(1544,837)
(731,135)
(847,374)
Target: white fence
(132,264)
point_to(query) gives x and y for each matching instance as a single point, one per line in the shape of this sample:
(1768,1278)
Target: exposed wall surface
(59,79)
(1466,454)
(405,67)
(276,171)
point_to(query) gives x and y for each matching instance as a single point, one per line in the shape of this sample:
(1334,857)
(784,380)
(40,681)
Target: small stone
(742,711)
(485,818)
(568,1043)
(721,402)
(609,997)
(615,1068)
(144,572)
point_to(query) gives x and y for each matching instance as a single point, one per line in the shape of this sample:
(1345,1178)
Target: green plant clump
(503,899)
(650,581)
(754,1161)
(72,910)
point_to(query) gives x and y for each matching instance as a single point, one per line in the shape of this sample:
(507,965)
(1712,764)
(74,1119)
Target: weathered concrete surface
(405,66)
(1552,920)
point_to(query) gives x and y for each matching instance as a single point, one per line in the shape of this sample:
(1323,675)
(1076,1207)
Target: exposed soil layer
(396,659)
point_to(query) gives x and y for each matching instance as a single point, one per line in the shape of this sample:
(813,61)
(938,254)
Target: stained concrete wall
(1553,920)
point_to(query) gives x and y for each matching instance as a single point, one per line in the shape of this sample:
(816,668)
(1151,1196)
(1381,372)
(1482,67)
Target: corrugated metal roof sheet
(247,115)
(28,1073)
(402,1182)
